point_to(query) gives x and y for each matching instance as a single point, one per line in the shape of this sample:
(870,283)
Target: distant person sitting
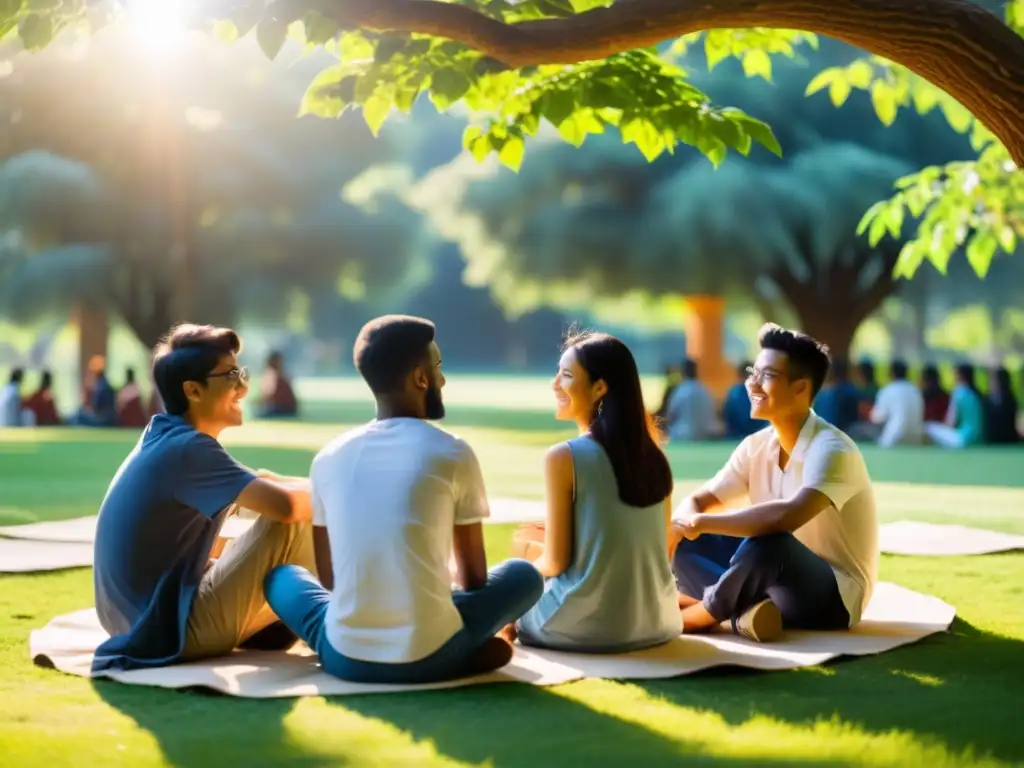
(736,407)
(964,425)
(41,403)
(691,409)
(277,398)
(159,594)
(673,375)
(12,414)
(936,398)
(393,500)
(130,412)
(1002,409)
(899,410)
(839,400)
(804,553)
(100,406)
(867,383)
(603,545)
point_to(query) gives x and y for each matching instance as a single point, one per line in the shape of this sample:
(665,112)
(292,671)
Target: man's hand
(686,521)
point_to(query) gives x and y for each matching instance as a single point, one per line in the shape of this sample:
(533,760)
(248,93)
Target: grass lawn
(946,701)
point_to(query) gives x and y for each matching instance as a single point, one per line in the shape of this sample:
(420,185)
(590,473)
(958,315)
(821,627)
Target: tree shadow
(960,689)
(197,727)
(510,724)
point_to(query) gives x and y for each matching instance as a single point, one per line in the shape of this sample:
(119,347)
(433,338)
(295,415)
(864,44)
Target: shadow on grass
(194,728)
(961,690)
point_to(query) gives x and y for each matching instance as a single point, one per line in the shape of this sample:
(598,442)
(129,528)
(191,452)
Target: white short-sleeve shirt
(899,406)
(824,458)
(389,494)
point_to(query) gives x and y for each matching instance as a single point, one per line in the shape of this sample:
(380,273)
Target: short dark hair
(898,370)
(129,375)
(17,375)
(388,348)
(189,353)
(690,368)
(808,357)
(930,374)
(46,380)
(840,370)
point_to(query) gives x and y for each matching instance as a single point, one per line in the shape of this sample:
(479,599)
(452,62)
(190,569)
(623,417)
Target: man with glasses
(158,592)
(804,552)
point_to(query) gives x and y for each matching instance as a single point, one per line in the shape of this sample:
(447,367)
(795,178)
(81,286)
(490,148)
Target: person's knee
(276,580)
(528,580)
(768,548)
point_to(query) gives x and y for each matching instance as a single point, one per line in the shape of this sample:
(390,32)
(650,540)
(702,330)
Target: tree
(200,191)
(586,65)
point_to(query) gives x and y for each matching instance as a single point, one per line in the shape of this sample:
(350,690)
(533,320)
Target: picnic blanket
(896,616)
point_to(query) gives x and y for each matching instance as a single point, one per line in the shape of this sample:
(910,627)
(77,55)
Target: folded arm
(785,515)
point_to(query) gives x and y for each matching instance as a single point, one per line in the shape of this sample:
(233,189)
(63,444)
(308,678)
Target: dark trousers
(731,575)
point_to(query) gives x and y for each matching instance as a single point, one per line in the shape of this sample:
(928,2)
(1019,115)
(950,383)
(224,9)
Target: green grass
(949,700)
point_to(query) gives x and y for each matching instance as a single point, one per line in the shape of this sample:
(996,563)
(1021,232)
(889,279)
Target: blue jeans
(732,575)
(301,603)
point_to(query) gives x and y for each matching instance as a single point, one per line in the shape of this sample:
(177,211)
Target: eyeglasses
(238,375)
(763,375)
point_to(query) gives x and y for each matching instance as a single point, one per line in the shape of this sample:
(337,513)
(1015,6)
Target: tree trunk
(705,342)
(956,45)
(829,305)
(93,331)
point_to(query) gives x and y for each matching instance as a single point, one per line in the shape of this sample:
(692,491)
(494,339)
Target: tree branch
(954,44)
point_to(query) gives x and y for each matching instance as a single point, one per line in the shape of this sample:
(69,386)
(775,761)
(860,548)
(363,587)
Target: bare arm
(470,556)
(322,554)
(285,502)
(770,517)
(559,478)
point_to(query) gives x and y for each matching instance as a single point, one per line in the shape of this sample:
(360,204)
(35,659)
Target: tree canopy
(211,186)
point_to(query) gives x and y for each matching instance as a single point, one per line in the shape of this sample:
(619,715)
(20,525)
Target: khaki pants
(230,607)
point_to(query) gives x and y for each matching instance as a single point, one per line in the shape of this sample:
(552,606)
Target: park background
(149,176)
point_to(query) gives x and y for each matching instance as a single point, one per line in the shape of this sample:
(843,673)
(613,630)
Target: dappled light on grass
(759,736)
(917,677)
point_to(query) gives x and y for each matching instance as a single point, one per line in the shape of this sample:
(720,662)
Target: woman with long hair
(603,548)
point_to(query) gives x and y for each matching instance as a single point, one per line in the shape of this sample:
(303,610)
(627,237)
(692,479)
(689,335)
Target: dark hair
(930,375)
(189,353)
(46,380)
(17,375)
(840,370)
(388,348)
(1002,377)
(622,425)
(898,369)
(690,368)
(867,371)
(129,375)
(808,357)
(965,373)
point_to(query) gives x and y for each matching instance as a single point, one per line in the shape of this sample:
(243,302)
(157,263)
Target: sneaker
(492,655)
(762,623)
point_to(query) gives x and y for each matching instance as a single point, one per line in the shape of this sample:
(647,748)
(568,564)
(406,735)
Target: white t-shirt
(390,494)
(10,405)
(824,458)
(900,407)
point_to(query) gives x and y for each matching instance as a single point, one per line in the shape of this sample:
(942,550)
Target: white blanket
(895,617)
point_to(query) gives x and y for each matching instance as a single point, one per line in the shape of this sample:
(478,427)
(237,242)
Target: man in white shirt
(899,408)
(392,502)
(10,401)
(805,552)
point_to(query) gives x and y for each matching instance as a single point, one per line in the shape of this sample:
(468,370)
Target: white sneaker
(761,623)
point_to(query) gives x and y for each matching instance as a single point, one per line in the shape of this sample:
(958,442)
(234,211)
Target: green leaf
(757,63)
(859,74)
(757,130)
(226,31)
(925,97)
(447,86)
(730,133)
(511,155)
(839,90)
(980,251)
(481,147)
(894,220)
(877,229)
(375,112)
(822,80)
(1007,238)
(318,29)
(35,31)
(470,135)
(389,45)
(271,34)
(639,131)
(883,98)
(870,215)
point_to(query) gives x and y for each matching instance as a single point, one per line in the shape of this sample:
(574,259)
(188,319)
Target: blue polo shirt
(157,525)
